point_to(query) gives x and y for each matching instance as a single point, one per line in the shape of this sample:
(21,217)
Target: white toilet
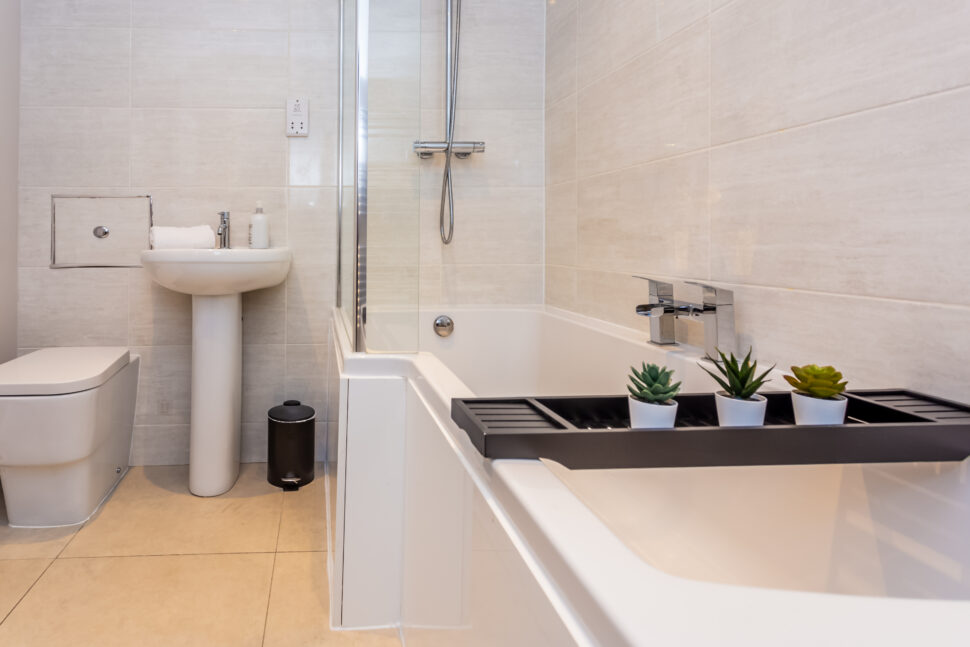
(66,416)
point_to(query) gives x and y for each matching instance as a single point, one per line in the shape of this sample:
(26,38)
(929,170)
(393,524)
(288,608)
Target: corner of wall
(9,131)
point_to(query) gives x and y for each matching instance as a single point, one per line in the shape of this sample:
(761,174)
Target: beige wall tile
(73,307)
(873,215)
(207,600)
(491,284)
(561,137)
(160,445)
(313,159)
(607,39)
(164,385)
(314,66)
(211,69)
(306,376)
(778,64)
(314,15)
(34,227)
(395,15)
(74,67)
(309,299)
(651,218)
(77,218)
(157,316)
(67,13)
(173,147)
(561,224)
(560,55)
(394,71)
(312,224)
(561,286)
(655,106)
(212,14)
(264,315)
(74,147)
(263,380)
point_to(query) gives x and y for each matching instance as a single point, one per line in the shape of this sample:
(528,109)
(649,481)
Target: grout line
(272,575)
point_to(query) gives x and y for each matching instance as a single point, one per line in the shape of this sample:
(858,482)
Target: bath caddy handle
(883,426)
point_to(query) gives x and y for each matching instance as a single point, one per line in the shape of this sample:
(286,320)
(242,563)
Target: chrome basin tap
(222,234)
(714,309)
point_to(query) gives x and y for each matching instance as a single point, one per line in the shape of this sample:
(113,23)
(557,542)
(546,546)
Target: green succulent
(817,381)
(652,384)
(738,379)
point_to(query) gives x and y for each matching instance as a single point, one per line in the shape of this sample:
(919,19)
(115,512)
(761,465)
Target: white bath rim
(617,595)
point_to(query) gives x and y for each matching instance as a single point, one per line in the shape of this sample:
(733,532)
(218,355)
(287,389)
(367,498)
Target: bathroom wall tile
(611,296)
(560,288)
(34,227)
(655,106)
(254,442)
(674,16)
(309,299)
(73,307)
(878,216)
(606,41)
(127,219)
(208,147)
(501,225)
(561,223)
(212,14)
(778,64)
(306,376)
(160,445)
(263,383)
(561,138)
(429,285)
(314,15)
(189,206)
(313,224)
(70,13)
(395,15)
(264,315)
(210,69)
(491,284)
(74,147)
(514,147)
(394,72)
(314,67)
(164,385)
(74,67)
(852,332)
(157,316)
(560,55)
(651,219)
(313,159)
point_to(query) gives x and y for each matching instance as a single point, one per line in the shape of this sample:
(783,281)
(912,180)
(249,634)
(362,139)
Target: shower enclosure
(397,159)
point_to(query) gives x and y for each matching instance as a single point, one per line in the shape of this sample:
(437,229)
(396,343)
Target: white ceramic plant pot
(733,412)
(818,411)
(645,415)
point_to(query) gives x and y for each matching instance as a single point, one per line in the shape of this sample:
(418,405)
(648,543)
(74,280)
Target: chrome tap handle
(716,311)
(661,309)
(222,234)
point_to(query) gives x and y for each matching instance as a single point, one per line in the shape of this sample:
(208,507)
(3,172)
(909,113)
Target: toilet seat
(59,371)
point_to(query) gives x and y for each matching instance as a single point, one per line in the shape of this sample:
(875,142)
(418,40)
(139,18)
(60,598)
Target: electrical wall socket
(297,117)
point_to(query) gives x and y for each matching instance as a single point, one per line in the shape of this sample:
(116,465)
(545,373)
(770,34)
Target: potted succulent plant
(739,404)
(817,398)
(652,404)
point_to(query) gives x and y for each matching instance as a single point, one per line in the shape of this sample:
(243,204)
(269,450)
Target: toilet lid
(56,371)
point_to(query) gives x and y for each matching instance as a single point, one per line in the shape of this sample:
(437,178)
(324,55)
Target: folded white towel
(198,237)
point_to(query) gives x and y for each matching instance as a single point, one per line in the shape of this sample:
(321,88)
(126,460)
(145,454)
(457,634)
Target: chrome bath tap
(222,234)
(714,309)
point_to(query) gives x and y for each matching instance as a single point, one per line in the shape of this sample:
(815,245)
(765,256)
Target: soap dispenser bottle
(258,229)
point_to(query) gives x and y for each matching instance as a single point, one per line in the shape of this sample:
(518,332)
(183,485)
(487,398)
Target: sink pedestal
(216,393)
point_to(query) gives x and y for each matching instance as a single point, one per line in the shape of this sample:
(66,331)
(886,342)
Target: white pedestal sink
(216,279)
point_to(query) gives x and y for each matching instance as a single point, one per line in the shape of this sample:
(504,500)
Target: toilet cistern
(709,305)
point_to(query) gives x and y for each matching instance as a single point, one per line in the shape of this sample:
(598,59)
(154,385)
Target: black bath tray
(882,426)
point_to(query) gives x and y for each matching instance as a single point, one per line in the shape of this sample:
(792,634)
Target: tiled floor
(158,566)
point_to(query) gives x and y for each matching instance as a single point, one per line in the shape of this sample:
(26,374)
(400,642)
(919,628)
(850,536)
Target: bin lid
(292,411)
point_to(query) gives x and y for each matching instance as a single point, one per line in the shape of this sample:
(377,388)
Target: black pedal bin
(291,445)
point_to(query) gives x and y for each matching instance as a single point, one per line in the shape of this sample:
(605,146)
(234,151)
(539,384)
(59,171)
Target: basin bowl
(210,272)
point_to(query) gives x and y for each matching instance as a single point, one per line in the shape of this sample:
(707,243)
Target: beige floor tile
(299,608)
(16,576)
(304,523)
(153,513)
(186,600)
(31,543)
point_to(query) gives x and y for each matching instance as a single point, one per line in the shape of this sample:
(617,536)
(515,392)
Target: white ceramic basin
(207,272)
(216,279)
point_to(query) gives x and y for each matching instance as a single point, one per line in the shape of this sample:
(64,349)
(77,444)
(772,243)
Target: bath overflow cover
(443,325)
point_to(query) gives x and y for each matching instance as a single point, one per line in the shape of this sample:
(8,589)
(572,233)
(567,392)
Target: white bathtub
(450,546)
